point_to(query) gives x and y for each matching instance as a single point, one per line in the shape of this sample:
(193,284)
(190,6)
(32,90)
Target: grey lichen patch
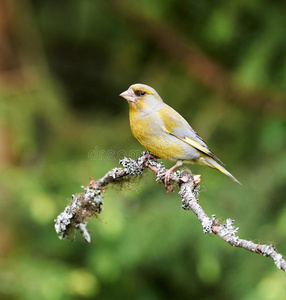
(208,224)
(134,167)
(270,249)
(114,172)
(228,228)
(277,260)
(83,206)
(189,193)
(128,182)
(131,166)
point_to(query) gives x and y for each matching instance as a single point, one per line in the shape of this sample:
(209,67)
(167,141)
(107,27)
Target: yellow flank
(164,132)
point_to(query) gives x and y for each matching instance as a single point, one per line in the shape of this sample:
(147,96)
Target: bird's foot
(167,175)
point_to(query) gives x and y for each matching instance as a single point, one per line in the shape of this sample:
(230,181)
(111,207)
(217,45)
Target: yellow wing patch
(191,142)
(195,144)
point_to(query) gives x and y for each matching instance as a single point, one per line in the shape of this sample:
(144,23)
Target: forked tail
(210,162)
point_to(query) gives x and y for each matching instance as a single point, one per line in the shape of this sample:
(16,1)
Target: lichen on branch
(88,204)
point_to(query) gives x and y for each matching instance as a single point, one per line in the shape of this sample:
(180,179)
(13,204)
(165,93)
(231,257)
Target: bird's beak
(129,95)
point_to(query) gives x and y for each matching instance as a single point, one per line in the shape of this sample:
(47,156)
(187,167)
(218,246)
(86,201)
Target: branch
(89,203)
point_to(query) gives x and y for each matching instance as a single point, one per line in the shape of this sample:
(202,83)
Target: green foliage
(65,123)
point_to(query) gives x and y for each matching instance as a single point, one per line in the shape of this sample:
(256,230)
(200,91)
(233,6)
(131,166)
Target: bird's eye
(140,93)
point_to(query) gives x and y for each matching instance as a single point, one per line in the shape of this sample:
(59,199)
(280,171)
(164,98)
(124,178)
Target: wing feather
(177,126)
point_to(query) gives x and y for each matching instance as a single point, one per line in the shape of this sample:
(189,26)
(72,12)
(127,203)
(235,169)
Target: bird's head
(141,97)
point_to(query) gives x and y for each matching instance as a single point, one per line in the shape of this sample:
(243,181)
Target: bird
(165,133)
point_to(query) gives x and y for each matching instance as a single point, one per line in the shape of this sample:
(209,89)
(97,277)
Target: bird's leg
(168,173)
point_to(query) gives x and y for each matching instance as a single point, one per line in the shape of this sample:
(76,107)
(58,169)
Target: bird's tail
(210,162)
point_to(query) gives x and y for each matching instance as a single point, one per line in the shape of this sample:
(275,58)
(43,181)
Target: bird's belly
(158,142)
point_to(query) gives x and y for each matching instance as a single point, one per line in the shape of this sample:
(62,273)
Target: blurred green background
(222,64)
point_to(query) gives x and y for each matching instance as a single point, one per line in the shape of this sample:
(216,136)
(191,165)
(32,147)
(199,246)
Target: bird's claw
(167,175)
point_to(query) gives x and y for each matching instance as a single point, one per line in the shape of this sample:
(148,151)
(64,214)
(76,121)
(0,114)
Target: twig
(89,203)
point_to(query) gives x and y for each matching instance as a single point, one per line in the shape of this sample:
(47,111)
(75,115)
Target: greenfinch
(165,133)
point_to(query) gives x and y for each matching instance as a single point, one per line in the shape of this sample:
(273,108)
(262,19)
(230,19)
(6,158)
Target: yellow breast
(150,134)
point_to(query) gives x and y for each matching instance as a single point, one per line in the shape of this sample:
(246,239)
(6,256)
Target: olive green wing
(174,124)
